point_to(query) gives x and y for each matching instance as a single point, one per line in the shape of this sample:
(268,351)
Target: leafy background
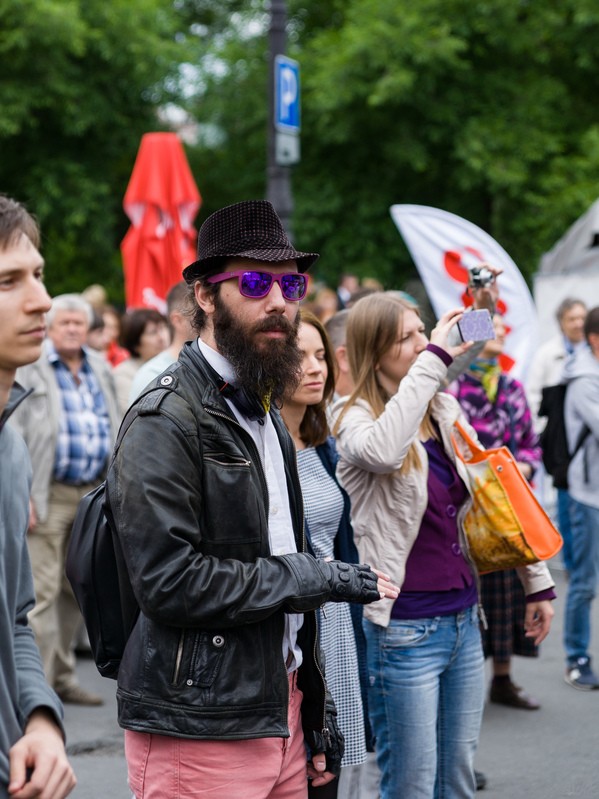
(484,108)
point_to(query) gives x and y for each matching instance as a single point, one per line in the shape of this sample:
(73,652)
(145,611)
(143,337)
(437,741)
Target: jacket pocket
(239,518)
(409,633)
(207,652)
(226,460)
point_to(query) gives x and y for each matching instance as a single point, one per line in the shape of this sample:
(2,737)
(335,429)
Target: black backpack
(553,439)
(98,575)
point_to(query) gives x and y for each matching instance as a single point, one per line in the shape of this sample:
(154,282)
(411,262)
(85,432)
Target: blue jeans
(564,514)
(583,580)
(426,698)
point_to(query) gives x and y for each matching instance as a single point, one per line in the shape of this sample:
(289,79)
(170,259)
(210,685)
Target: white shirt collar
(217,361)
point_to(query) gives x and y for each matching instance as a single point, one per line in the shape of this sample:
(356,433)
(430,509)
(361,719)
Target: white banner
(444,247)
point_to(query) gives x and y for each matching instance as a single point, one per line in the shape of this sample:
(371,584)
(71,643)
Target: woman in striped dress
(329,534)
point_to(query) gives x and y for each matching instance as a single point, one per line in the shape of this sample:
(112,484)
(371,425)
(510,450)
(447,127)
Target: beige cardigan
(387,507)
(38,417)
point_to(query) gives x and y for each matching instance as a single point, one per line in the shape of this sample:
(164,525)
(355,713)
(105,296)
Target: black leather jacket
(190,504)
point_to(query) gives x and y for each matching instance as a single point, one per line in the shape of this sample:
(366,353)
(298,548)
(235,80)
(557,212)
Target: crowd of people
(289,507)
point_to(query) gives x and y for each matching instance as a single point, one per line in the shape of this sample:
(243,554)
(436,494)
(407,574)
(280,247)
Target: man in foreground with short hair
(69,425)
(221,686)
(33,761)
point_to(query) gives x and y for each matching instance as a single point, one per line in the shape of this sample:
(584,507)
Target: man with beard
(221,686)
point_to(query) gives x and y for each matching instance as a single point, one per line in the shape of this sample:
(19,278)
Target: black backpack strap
(147,402)
(582,437)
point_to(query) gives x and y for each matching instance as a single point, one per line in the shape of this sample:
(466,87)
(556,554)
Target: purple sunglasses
(255,285)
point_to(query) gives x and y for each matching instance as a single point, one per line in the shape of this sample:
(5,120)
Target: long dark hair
(314,428)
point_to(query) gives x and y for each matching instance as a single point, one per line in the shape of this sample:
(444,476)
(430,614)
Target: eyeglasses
(256,285)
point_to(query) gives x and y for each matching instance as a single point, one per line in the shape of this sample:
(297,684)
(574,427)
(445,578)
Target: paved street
(546,754)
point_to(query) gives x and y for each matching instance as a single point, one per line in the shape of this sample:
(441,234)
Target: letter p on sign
(287,94)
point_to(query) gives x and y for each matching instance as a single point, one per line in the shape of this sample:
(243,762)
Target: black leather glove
(350,582)
(330,741)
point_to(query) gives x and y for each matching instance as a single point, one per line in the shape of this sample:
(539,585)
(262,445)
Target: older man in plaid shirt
(69,424)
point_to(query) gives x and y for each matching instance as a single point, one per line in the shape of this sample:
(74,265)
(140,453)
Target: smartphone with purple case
(476,326)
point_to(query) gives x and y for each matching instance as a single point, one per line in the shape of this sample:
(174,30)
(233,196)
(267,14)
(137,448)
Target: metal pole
(278,181)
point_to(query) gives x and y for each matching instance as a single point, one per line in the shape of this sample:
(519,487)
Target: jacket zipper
(179,657)
(239,462)
(326,733)
(302,527)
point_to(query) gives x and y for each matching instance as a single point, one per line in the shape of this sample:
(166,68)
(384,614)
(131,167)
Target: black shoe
(505,692)
(481,780)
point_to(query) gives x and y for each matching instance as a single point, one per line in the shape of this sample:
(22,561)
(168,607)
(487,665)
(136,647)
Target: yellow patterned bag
(506,526)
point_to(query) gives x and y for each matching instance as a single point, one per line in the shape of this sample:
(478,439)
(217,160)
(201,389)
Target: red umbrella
(161,201)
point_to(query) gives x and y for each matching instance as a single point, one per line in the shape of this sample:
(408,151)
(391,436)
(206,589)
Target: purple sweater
(438,579)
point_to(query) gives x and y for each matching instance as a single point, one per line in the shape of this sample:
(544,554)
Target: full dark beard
(273,367)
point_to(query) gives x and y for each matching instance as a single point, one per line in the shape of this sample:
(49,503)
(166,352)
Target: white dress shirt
(280,526)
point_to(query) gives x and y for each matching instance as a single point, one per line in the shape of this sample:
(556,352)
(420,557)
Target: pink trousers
(163,767)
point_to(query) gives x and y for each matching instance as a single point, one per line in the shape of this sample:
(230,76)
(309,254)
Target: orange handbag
(506,526)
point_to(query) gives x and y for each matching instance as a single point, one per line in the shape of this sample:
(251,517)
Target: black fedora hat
(249,229)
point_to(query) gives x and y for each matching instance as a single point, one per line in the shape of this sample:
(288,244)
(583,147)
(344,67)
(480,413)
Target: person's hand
(317,770)
(439,334)
(537,621)
(487,297)
(351,582)
(32,517)
(387,589)
(40,753)
(525,468)
(326,750)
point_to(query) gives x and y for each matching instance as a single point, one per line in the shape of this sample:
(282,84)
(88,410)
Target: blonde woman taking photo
(409,495)
(329,535)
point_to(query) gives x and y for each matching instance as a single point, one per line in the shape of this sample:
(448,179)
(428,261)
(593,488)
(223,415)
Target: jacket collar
(16,397)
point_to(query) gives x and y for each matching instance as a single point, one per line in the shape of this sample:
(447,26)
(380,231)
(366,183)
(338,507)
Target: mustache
(280,324)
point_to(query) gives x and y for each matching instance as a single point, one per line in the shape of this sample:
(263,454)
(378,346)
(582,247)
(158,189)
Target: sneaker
(579,674)
(481,780)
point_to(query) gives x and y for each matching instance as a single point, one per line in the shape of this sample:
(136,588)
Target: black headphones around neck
(248,403)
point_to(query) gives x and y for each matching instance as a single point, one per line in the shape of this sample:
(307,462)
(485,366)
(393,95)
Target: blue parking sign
(287,94)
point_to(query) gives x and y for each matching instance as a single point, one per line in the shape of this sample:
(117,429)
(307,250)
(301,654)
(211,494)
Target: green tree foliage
(231,107)
(80,82)
(481,107)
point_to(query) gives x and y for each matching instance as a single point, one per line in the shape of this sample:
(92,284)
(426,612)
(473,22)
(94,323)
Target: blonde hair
(372,327)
